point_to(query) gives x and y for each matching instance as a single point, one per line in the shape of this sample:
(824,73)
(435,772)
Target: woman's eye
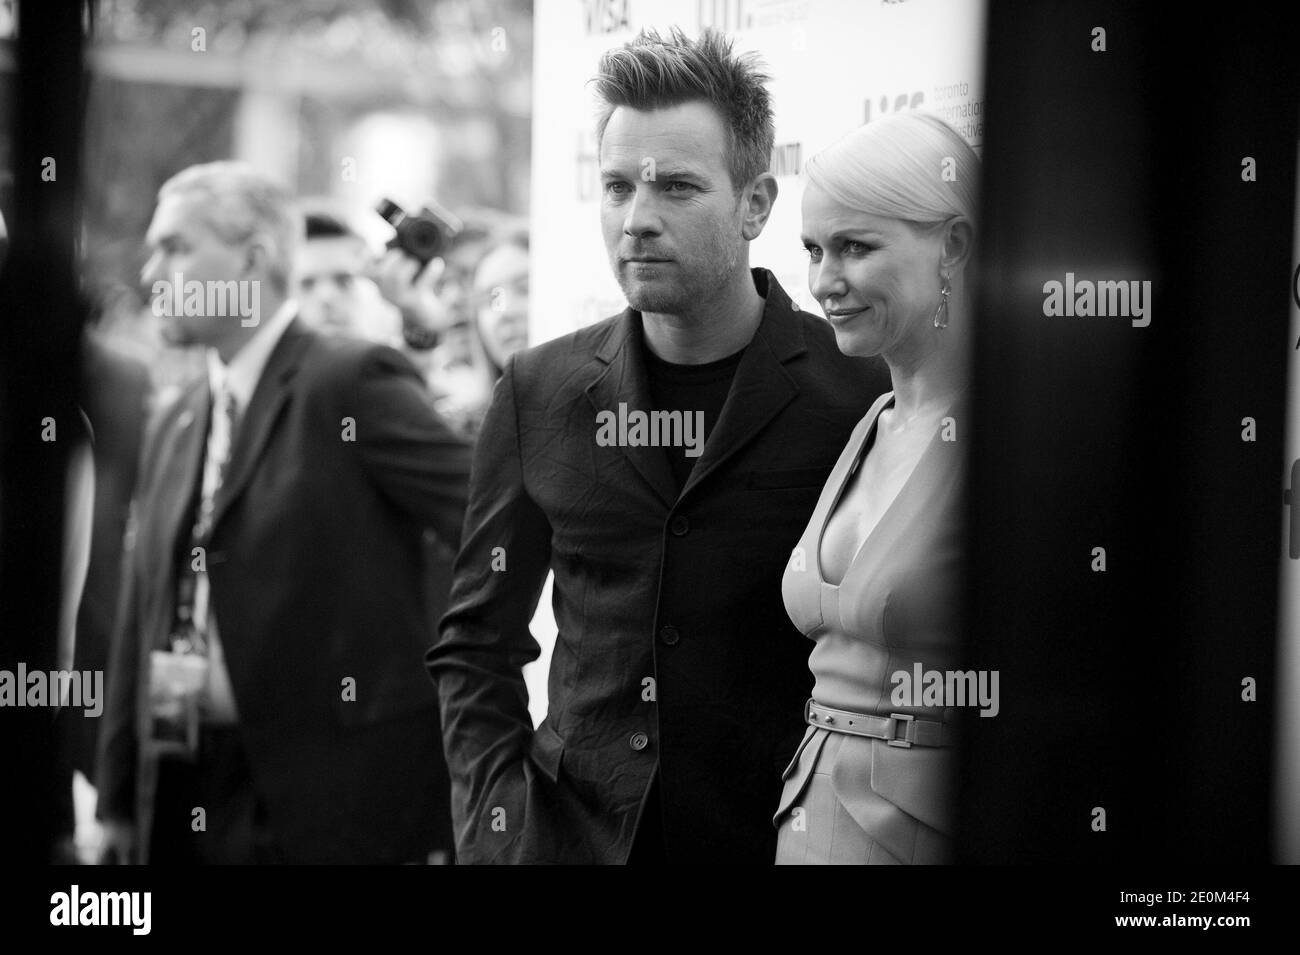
(853,247)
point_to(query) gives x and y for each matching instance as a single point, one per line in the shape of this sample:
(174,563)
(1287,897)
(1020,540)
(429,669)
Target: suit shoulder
(872,373)
(817,332)
(336,361)
(555,360)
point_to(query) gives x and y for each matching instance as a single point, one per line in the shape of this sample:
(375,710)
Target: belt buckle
(901,741)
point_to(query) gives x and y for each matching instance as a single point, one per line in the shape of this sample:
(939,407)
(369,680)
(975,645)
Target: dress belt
(896,729)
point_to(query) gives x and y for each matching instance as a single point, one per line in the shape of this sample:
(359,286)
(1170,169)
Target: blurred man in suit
(265,696)
(662,463)
(337,297)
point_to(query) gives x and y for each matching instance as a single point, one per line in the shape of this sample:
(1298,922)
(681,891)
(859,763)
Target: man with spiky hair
(677,681)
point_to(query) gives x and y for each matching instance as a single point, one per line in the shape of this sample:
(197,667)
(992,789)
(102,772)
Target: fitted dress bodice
(897,605)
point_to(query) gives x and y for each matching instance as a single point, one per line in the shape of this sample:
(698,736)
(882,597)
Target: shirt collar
(240,377)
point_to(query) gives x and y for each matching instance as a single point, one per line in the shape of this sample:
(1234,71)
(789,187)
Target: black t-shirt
(690,389)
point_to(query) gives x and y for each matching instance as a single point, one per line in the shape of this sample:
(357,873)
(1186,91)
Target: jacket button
(638,741)
(679,526)
(669,635)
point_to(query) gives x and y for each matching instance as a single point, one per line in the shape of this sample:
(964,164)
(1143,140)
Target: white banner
(835,64)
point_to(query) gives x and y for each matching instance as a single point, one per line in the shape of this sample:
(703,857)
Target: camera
(422,235)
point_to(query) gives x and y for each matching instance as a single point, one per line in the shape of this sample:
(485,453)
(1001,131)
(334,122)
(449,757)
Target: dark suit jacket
(674,648)
(315,563)
(115,391)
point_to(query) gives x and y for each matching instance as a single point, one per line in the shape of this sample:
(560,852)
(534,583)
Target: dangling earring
(941,313)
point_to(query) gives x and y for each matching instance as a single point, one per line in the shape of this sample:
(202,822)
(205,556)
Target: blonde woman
(889,225)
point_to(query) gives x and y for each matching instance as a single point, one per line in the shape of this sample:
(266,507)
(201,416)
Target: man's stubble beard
(686,297)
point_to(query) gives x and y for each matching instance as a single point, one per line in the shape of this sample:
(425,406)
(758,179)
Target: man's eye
(676,186)
(616,188)
(814,252)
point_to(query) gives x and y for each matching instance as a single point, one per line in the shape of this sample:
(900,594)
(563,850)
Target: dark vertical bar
(1121,689)
(39,337)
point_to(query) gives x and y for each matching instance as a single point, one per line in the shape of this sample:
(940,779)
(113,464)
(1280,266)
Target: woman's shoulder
(869,419)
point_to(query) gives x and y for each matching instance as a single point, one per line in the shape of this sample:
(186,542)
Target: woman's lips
(840,315)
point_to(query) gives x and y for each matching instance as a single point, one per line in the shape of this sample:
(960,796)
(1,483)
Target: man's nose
(152,269)
(642,215)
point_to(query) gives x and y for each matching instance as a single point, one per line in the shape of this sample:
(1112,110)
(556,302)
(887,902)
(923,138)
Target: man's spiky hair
(651,72)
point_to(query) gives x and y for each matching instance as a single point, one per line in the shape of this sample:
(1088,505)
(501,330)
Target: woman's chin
(855,344)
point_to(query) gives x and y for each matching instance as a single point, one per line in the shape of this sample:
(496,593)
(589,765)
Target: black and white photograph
(694,433)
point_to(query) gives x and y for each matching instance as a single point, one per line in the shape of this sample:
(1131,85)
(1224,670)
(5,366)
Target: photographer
(435,297)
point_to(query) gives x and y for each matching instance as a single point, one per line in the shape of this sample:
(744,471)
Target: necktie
(193,590)
(217,701)
(217,462)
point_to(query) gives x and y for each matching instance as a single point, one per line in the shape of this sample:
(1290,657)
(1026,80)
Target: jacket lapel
(761,387)
(259,418)
(171,513)
(623,379)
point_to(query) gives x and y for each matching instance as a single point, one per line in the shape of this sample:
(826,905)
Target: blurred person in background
(501,294)
(104,432)
(438,308)
(115,398)
(265,665)
(335,294)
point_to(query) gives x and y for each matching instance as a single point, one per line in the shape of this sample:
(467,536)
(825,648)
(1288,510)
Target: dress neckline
(868,441)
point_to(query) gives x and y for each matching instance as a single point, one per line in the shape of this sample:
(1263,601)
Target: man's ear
(758,200)
(258,255)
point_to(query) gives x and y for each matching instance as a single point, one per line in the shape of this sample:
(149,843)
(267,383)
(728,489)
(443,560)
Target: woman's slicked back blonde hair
(912,166)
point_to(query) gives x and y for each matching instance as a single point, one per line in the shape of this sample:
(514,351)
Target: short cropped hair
(651,72)
(912,166)
(239,203)
(320,224)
